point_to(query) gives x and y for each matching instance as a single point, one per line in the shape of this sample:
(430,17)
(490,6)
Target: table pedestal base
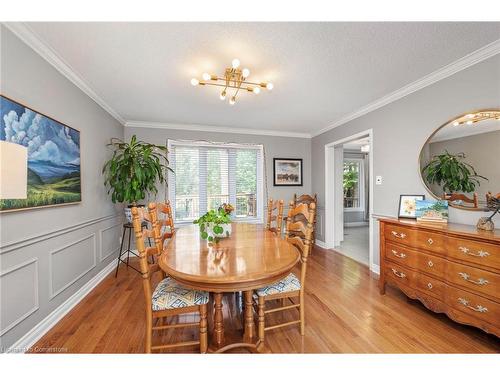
(249,342)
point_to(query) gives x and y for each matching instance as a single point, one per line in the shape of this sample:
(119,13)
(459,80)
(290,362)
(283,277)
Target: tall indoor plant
(452,173)
(134,170)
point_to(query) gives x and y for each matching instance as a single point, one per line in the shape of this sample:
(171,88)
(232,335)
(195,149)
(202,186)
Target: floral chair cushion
(171,295)
(287,284)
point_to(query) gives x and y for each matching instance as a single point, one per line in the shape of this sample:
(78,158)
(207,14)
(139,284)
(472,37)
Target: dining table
(250,258)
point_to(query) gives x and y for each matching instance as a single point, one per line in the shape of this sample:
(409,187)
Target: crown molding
(24,33)
(465,62)
(212,128)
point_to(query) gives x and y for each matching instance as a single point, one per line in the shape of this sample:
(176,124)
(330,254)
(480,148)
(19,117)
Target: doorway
(349,197)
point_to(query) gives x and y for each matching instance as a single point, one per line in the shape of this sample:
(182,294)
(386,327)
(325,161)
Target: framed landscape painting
(52,171)
(287,172)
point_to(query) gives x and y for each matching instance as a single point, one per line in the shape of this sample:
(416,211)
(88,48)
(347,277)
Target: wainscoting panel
(44,276)
(19,294)
(71,262)
(109,241)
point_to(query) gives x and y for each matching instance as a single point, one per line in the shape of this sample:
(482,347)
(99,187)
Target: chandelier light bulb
(455,123)
(223,95)
(256,90)
(232,100)
(269,86)
(206,76)
(235,63)
(469,122)
(195,82)
(245,72)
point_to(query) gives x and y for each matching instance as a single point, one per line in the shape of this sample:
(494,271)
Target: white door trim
(329,192)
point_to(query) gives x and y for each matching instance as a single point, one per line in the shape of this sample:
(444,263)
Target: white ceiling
(321,71)
(356,144)
(463,130)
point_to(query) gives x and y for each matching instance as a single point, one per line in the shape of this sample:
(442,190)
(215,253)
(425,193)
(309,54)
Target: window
(353,184)
(207,175)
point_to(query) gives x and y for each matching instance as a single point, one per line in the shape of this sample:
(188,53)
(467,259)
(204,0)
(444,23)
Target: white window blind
(209,174)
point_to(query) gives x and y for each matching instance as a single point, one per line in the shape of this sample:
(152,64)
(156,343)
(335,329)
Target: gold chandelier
(234,80)
(472,118)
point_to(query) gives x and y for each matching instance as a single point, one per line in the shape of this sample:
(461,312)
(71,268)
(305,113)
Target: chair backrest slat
(165,227)
(141,235)
(295,227)
(274,221)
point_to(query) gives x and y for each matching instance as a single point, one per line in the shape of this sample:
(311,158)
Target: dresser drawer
(473,305)
(400,274)
(401,255)
(434,242)
(431,264)
(431,286)
(474,279)
(400,235)
(474,252)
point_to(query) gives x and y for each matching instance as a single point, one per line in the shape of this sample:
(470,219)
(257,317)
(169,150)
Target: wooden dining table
(250,258)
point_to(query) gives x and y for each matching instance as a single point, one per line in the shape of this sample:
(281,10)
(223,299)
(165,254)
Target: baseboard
(375,268)
(36,333)
(321,244)
(356,224)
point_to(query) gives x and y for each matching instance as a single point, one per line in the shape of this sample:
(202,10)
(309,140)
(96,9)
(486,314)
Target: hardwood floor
(344,314)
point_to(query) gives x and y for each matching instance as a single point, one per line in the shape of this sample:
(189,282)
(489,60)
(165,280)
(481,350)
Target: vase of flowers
(216,224)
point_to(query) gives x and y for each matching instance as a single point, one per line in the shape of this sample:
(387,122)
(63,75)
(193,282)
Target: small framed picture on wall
(287,172)
(407,205)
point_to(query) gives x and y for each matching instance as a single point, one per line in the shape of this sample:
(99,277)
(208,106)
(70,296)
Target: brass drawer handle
(480,253)
(430,241)
(398,274)
(430,264)
(466,277)
(400,255)
(398,235)
(429,285)
(478,308)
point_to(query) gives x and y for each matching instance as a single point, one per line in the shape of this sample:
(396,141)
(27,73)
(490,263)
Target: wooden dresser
(452,269)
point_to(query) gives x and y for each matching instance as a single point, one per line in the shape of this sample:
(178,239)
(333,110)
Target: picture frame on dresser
(407,205)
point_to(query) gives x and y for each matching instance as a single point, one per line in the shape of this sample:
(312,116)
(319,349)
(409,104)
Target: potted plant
(216,224)
(452,173)
(134,170)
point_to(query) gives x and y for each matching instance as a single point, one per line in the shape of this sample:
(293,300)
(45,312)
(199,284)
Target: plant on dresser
(452,269)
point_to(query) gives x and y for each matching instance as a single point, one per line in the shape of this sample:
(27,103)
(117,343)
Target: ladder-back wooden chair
(168,298)
(165,228)
(274,220)
(462,197)
(291,286)
(307,199)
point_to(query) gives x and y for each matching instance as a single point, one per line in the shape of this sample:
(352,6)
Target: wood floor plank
(344,314)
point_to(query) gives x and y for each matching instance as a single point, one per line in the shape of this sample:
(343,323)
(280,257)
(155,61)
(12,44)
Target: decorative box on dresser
(452,269)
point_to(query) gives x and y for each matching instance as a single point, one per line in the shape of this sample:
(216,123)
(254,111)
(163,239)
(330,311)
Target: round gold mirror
(460,162)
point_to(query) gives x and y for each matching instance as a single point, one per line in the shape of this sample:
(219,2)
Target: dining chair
(274,221)
(291,286)
(462,197)
(307,199)
(168,297)
(165,228)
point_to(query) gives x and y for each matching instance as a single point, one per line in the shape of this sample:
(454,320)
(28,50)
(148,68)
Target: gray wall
(47,254)
(482,151)
(286,147)
(401,128)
